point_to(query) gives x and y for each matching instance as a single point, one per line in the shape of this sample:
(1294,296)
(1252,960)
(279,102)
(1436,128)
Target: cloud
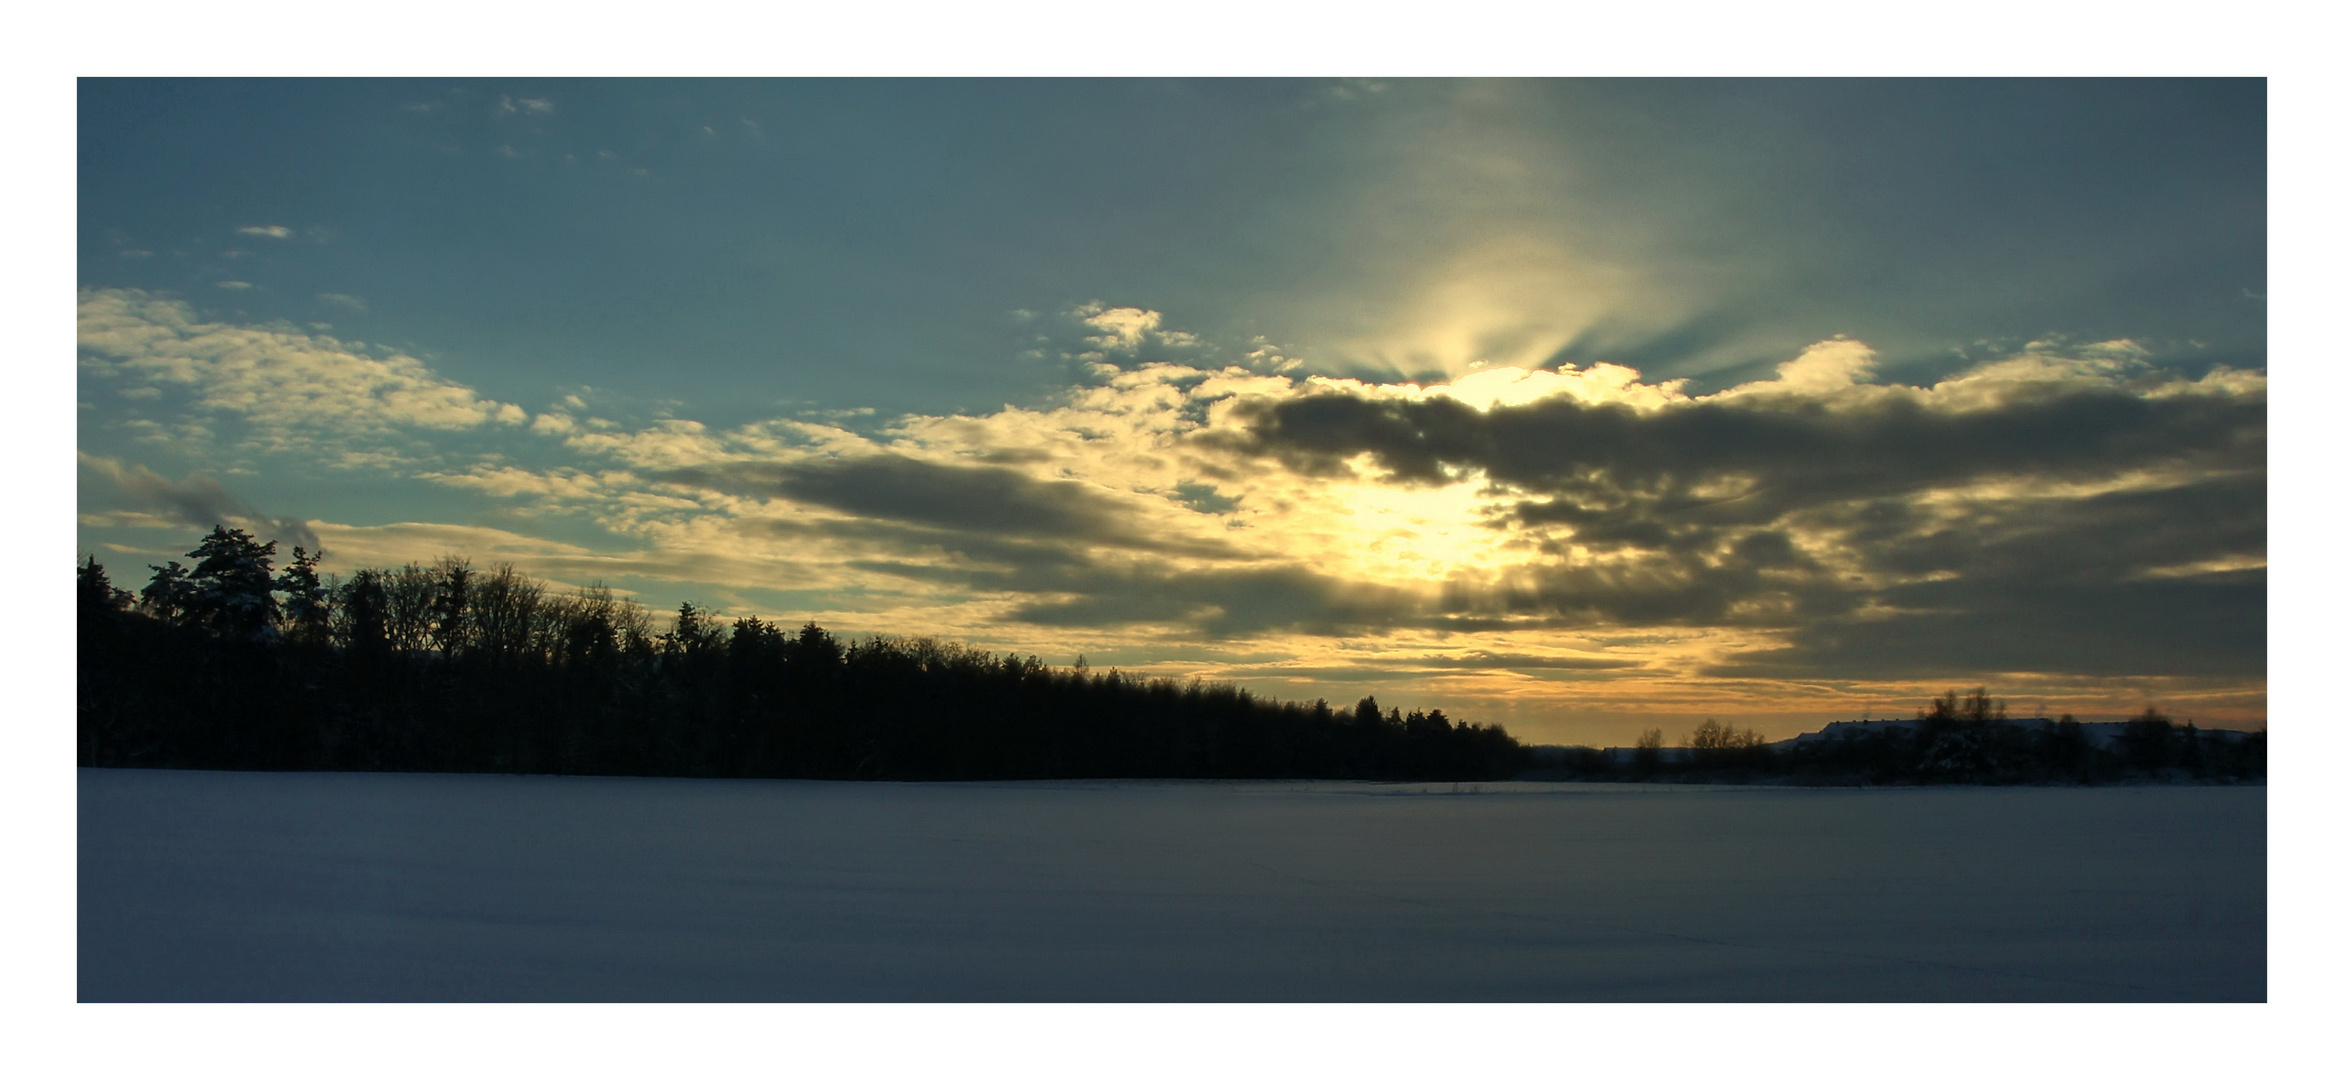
(2168,580)
(1352,89)
(1517,662)
(390,545)
(1122,328)
(2211,625)
(1511,536)
(506,481)
(341,300)
(1827,366)
(292,390)
(1012,579)
(196,502)
(233,286)
(1216,602)
(2016,494)
(983,500)
(1563,500)
(1127,329)
(274,232)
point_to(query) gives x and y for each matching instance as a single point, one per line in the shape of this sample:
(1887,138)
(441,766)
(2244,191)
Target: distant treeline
(235,663)
(1967,739)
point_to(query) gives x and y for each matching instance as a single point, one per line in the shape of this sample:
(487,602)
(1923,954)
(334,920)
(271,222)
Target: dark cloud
(200,502)
(1678,589)
(1213,602)
(2078,586)
(961,498)
(2210,625)
(1008,533)
(1222,602)
(1745,511)
(2099,539)
(1796,451)
(1014,456)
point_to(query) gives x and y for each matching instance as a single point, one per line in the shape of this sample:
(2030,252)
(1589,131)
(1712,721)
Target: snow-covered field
(256,886)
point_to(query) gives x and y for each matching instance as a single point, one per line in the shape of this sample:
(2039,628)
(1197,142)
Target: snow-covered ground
(243,886)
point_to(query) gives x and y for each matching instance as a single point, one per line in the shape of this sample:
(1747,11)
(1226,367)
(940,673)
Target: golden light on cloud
(1560,548)
(1409,537)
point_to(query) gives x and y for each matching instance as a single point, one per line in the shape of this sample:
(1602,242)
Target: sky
(1579,406)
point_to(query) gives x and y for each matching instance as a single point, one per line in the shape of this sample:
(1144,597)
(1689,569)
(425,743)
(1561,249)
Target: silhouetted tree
(411,593)
(230,587)
(362,614)
(96,594)
(166,594)
(1647,758)
(450,589)
(441,668)
(2066,751)
(2148,740)
(505,610)
(307,608)
(1715,745)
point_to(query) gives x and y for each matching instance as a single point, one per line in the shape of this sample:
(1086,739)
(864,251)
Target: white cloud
(290,388)
(505,481)
(1122,328)
(342,300)
(2118,349)
(506,105)
(274,232)
(1828,365)
(233,286)
(1598,385)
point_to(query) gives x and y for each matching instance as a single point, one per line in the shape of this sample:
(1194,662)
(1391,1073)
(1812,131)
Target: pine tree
(307,608)
(98,596)
(451,604)
(230,588)
(167,592)
(362,615)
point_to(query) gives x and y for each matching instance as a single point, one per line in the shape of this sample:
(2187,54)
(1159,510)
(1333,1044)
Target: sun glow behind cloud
(1537,544)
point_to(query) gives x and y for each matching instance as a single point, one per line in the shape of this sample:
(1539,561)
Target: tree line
(234,662)
(1957,738)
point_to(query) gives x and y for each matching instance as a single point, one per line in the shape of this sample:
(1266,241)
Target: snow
(312,886)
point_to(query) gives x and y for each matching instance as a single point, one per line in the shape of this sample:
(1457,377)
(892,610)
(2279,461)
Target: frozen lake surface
(306,886)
